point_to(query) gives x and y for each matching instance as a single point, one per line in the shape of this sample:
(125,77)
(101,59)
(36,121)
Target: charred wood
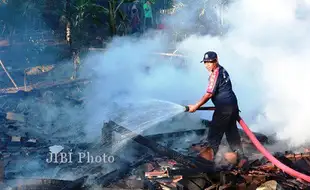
(202,165)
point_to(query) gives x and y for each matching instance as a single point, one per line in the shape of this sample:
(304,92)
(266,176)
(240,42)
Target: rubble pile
(171,170)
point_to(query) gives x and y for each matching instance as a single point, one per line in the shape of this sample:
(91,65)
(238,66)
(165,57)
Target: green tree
(116,17)
(18,15)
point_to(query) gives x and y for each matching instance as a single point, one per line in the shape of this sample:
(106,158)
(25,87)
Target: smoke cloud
(265,51)
(275,34)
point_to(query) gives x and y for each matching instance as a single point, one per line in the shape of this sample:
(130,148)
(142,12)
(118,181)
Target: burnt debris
(155,162)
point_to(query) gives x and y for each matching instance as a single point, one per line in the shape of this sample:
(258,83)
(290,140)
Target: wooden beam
(8,74)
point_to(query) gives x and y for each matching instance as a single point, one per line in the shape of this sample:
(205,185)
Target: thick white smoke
(275,33)
(265,52)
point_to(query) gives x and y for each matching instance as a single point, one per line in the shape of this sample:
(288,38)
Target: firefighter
(224,120)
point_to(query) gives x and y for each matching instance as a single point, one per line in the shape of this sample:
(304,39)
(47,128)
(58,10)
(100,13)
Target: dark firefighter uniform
(224,120)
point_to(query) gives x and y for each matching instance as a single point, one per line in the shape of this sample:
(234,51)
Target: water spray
(262,149)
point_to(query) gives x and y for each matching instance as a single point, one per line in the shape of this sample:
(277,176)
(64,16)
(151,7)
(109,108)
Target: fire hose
(263,150)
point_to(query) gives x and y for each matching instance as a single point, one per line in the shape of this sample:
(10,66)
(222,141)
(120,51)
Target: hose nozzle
(201,108)
(186,108)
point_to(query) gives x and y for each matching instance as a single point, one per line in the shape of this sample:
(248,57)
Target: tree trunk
(68,34)
(112,21)
(68,25)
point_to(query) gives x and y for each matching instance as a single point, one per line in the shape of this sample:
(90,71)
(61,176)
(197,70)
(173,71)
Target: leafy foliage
(82,21)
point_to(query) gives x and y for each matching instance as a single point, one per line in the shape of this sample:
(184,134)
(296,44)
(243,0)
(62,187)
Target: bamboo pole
(173,54)
(8,74)
(25,80)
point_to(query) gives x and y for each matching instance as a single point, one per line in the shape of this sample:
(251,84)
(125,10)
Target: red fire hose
(264,151)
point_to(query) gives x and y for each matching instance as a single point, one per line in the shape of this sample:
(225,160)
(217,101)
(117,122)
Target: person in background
(135,19)
(224,120)
(160,22)
(148,15)
(76,64)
